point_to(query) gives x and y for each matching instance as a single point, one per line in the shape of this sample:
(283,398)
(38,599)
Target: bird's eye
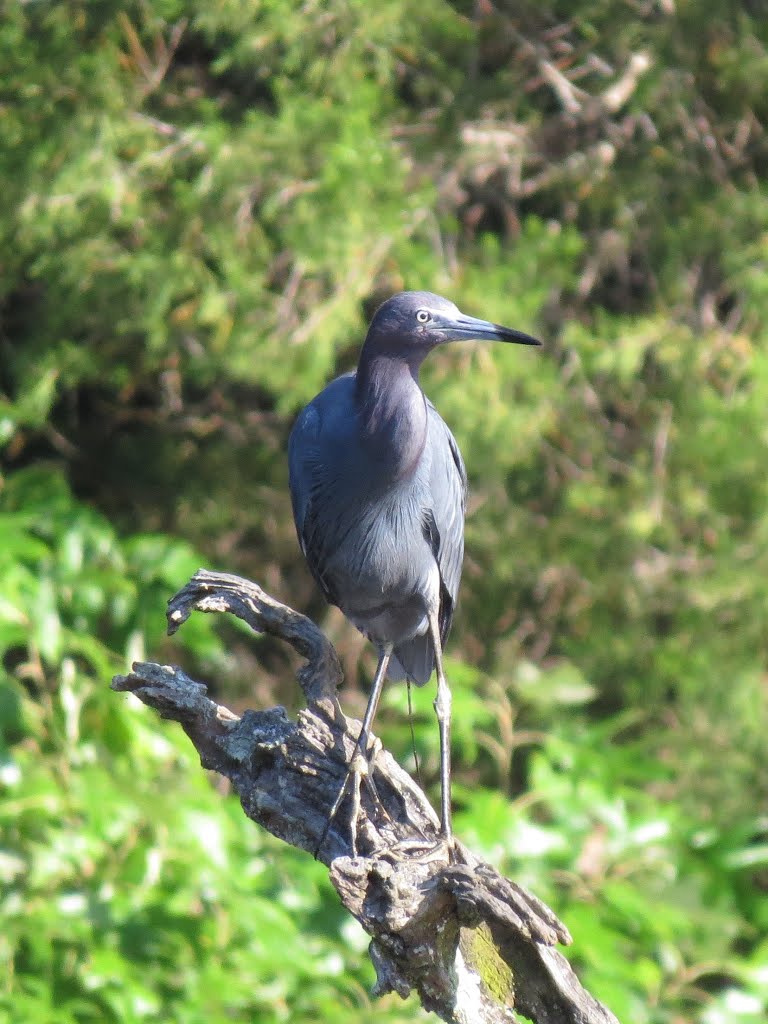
(422,316)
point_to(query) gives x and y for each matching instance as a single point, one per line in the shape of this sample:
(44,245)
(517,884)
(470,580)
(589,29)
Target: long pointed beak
(464,328)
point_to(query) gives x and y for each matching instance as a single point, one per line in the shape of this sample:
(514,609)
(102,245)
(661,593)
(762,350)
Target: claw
(359,774)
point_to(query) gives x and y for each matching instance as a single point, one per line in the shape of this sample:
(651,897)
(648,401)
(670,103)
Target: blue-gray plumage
(379,492)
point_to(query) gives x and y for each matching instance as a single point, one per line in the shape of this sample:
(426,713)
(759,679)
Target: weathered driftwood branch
(475,946)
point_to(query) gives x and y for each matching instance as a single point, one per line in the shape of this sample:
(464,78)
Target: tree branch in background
(475,946)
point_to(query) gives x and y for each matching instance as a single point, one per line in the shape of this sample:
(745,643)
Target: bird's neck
(393,412)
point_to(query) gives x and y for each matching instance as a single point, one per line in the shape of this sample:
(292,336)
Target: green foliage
(130,888)
(202,205)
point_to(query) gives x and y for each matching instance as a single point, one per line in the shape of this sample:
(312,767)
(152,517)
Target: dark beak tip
(470,327)
(519,338)
(514,337)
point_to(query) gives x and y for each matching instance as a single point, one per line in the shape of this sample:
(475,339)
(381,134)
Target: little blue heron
(379,489)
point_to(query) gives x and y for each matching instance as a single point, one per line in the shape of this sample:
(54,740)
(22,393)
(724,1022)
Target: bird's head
(416,322)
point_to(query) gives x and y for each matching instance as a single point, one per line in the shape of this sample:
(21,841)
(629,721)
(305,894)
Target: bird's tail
(413,660)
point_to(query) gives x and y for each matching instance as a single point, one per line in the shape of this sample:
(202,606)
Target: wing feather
(448,484)
(303,458)
(443,528)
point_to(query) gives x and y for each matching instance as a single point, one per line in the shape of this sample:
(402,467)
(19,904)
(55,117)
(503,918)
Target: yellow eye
(422,316)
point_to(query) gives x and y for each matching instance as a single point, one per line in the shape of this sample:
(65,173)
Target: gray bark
(476,947)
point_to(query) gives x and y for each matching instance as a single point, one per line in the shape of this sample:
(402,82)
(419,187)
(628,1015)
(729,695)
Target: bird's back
(379,548)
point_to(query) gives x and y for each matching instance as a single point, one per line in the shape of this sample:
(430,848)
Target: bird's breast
(362,490)
(382,565)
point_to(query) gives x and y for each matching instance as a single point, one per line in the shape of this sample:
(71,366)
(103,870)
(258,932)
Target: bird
(379,490)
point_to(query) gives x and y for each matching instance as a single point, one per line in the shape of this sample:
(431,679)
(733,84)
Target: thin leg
(373,701)
(357,770)
(443,711)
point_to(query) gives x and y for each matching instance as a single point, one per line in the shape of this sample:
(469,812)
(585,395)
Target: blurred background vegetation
(202,204)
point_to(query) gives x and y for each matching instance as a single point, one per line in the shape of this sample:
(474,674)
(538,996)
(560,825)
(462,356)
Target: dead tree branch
(475,946)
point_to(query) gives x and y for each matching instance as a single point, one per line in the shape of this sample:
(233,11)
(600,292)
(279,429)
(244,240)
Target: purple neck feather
(393,410)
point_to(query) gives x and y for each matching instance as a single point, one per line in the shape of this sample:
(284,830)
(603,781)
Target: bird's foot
(427,850)
(359,774)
